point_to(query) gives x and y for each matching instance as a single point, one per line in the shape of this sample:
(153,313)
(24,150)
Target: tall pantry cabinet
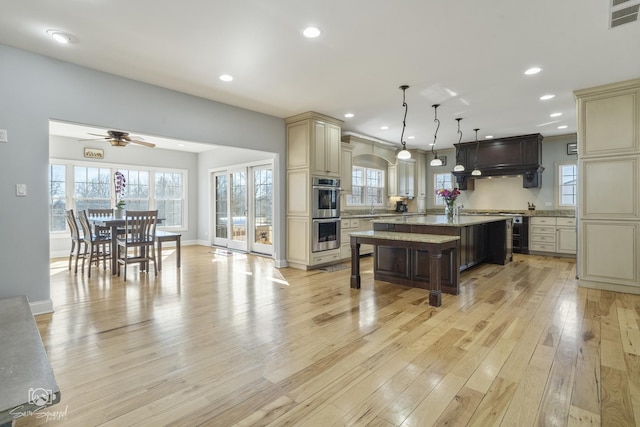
(609,186)
(314,148)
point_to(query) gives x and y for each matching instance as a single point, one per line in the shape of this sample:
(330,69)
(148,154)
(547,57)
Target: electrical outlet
(21,190)
(548,204)
(3,135)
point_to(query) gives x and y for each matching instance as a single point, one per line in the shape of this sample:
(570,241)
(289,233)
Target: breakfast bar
(433,245)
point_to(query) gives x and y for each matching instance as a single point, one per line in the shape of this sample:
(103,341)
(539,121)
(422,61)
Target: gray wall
(35,89)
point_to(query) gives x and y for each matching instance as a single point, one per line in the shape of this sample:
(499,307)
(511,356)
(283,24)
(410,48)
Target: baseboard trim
(41,307)
(280,263)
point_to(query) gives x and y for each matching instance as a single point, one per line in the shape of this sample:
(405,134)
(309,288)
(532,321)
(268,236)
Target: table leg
(178,252)
(355,265)
(159,254)
(435,293)
(114,249)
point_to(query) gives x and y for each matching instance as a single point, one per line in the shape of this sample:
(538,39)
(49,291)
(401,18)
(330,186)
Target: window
(92,188)
(168,198)
(367,187)
(567,188)
(57,197)
(83,186)
(441,180)
(136,190)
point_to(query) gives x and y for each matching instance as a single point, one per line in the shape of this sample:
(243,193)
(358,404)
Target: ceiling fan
(120,139)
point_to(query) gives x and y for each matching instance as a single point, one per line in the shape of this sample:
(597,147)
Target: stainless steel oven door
(325,234)
(326,202)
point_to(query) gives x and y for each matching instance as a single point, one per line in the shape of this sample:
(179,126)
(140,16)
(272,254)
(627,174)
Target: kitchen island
(480,239)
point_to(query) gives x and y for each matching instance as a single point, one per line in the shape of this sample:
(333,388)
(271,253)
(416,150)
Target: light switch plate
(21,190)
(4,137)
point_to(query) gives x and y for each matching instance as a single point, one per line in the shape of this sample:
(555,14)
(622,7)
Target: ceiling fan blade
(97,134)
(145,143)
(92,139)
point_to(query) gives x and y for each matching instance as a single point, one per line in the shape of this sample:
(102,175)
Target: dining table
(114,224)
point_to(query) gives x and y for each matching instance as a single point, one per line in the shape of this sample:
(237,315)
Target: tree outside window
(57,197)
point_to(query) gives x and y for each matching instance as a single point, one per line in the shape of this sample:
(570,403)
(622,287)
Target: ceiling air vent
(623,12)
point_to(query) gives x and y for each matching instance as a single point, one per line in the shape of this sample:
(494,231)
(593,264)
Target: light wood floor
(230,340)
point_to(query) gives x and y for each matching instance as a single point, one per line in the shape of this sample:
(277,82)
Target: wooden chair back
(141,227)
(100,213)
(86,227)
(73,225)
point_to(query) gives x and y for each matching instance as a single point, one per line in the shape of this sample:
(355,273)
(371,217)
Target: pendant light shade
(459,167)
(436,161)
(404,154)
(476,171)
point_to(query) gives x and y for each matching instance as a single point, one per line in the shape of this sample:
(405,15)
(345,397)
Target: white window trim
(556,191)
(437,200)
(114,166)
(366,203)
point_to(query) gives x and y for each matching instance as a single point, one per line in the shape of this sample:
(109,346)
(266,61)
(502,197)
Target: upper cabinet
(401,180)
(346,174)
(313,141)
(516,155)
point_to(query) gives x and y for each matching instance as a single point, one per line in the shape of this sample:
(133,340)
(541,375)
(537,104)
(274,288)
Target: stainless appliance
(521,235)
(401,206)
(325,198)
(325,234)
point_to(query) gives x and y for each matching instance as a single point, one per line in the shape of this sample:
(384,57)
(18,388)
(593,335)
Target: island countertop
(442,220)
(405,237)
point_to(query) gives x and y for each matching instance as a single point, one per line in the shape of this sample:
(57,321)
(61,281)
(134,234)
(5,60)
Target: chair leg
(91,252)
(73,247)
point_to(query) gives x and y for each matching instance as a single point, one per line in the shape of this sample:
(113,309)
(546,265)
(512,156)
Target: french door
(243,208)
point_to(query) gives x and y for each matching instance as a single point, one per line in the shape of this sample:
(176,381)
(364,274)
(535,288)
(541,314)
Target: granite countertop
(385,214)
(406,237)
(567,213)
(442,220)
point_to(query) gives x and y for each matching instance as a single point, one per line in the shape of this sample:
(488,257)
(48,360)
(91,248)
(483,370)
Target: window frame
(437,200)
(558,185)
(70,200)
(365,188)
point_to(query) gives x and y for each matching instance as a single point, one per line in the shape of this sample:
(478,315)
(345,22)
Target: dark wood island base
(434,245)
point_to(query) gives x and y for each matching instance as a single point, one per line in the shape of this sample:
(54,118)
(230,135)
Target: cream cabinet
(346,168)
(366,224)
(313,149)
(566,239)
(401,179)
(542,234)
(421,181)
(552,234)
(609,186)
(347,226)
(313,142)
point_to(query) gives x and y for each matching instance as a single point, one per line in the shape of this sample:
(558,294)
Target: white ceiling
(468,55)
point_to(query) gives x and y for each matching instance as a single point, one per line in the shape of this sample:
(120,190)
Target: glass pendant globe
(458,168)
(404,154)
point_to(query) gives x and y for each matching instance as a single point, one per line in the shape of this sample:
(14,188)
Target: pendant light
(459,166)
(404,154)
(436,161)
(476,171)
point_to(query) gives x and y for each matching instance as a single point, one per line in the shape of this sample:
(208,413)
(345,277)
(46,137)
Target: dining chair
(101,213)
(140,234)
(77,239)
(97,244)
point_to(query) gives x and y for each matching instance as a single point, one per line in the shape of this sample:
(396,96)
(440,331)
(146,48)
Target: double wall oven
(325,210)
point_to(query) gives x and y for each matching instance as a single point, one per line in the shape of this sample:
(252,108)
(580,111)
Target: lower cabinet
(347,226)
(552,235)
(473,245)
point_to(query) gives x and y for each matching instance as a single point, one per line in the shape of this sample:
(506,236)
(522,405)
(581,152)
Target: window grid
(441,181)
(367,187)
(567,177)
(88,187)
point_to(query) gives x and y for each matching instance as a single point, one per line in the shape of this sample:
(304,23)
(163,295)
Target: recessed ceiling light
(547,97)
(59,36)
(349,115)
(226,78)
(311,32)
(533,70)
(411,137)
(384,127)
(488,137)
(563,127)
(555,114)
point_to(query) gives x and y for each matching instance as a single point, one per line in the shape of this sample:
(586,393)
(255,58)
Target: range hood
(515,155)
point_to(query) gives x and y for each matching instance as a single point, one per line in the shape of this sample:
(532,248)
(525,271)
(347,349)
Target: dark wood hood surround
(515,155)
